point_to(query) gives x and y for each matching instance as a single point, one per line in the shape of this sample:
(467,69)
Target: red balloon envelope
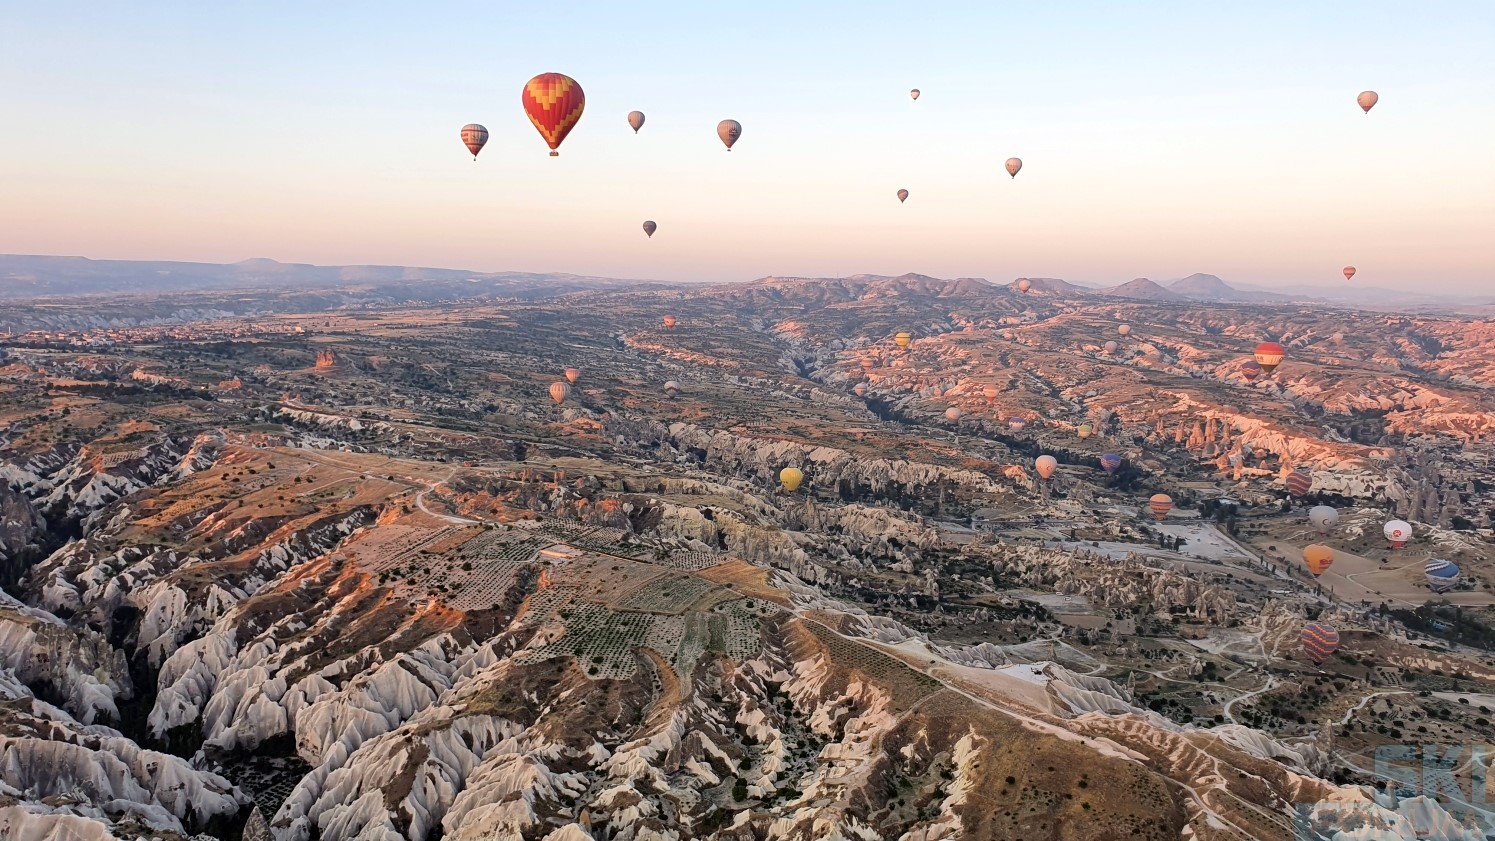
(1299,482)
(554,104)
(1319,641)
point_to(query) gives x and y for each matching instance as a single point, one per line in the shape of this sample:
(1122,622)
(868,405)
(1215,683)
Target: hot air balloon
(636,119)
(990,393)
(729,131)
(952,413)
(790,477)
(1016,423)
(902,196)
(572,375)
(1251,369)
(1023,285)
(669,322)
(554,104)
(1442,575)
(1319,641)
(1269,355)
(1124,329)
(860,389)
(1349,272)
(1112,346)
(1110,462)
(1013,165)
(1317,558)
(559,392)
(1367,100)
(902,340)
(914,93)
(650,228)
(1045,465)
(1160,505)
(671,388)
(1323,518)
(868,364)
(473,137)
(1084,430)
(1299,482)
(1398,532)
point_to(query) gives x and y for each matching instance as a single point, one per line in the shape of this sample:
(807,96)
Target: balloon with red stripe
(1299,482)
(553,102)
(1269,355)
(1319,641)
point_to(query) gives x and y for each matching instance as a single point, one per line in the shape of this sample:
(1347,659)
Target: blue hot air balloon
(1442,575)
(1016,423)
(1110,462)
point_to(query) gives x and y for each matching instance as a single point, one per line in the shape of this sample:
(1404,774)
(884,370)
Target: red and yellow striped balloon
(554,103)
(1317,558)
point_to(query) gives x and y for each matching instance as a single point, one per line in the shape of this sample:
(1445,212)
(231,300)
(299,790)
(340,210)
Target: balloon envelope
(636,120)
(1083,430)
(1299,482)
(1442,575)
(989,392)
(1124,329)
(559,392)
(790,477)
(553,102)
(669,322)
(903,339)
(860,389)
(914,93)
(1045,465)
(1319,641)
(1160,505)
(650,228)
(1112,346)
(1023,285)
(1349,272)
(473,137)
(1269,355)
(1317,558)
(1367,100)
(1016,422)
(1398,532)
(902,196)
(1323,518)
(1110,462)
(572,375)
(953,413)
(729,131)
(1251,369)
(1013,165)
(670,387)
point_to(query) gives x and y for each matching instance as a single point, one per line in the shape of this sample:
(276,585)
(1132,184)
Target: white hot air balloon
(1323,518)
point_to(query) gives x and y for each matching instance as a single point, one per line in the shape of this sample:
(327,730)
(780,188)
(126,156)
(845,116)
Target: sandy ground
(1353,578)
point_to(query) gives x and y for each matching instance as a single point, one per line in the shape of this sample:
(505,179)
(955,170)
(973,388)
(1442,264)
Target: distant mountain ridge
(30,276)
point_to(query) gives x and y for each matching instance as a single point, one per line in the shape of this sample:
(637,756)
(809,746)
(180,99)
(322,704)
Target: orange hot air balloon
(902,196)
(1084,430)
(729,131)
(990,393)
(902,340)
(1349,272)
(1124,329)
(1013,165)
(1317,558)
(473,137)
(1269,355)
(554,104)
(1045,465)
(1160,505)
(953,413)
(559,392)
(572,375)
(1023,285)
(669,322)
(868,364)
(1367,100)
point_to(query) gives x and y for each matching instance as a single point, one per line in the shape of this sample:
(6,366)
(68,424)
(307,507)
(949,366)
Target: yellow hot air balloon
(903,339)
(1045,465)
(1160,505)
(790,477)
(1317,558)
(1083,430)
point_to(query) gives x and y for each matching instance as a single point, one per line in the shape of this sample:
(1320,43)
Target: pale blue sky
(1183,137)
